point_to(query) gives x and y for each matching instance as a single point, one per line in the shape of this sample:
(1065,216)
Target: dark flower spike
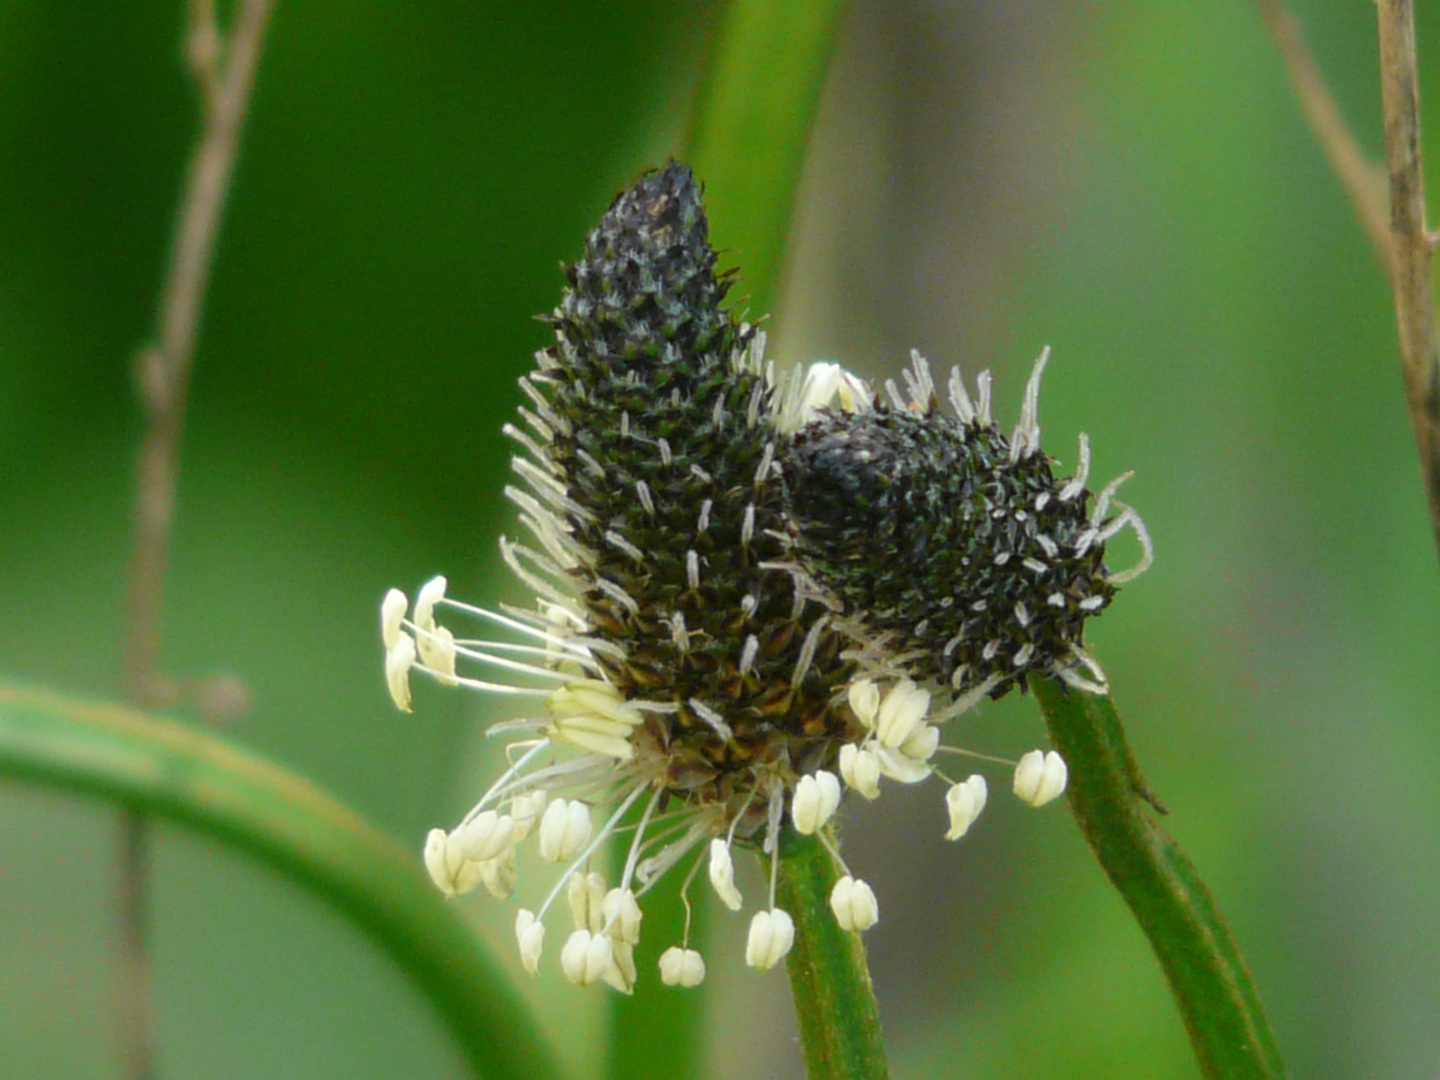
(696,662)
(955,546)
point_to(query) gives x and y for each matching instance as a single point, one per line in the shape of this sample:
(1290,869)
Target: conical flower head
(656,494)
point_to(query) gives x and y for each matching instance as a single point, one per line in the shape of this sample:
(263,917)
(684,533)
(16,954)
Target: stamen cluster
(743,583)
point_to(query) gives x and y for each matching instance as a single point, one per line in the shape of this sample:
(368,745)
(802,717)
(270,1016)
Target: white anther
(922,743)
(722,874)
(431,593)
(499,875)
(437,650)
(854,904)
(398,662)
(681,967)
(901,713)
(815,800)
(448,868)
(392,612)
(585,893)
(526,810)
(1040,777)
(771,935)
(530,933)
(564,830)
(865,701)
(898,765)
(860,770)
(622,915)
(964,801)
(487,835)
(586,957)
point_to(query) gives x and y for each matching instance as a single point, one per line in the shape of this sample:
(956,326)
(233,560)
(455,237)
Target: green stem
(1212,984)
(200,781)
(751,127)
(834,1001)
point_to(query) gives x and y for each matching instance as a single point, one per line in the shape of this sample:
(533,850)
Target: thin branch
(164,365)
(1363,179)
(224,74)
(1414,247)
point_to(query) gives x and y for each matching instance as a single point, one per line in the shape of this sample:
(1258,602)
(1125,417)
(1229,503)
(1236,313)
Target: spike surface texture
(967,561)
(658,428)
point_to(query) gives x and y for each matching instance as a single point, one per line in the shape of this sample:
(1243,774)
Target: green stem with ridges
(829,980)
(1217,997)
(202,782)
(751,128)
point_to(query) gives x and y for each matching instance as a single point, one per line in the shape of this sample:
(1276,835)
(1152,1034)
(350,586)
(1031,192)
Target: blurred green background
(1129,183)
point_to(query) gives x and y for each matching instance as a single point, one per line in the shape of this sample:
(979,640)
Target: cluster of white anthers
(581,745)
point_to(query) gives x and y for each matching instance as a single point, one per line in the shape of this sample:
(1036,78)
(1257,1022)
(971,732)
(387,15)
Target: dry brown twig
(223,67)
(1403,243)
(1414,277)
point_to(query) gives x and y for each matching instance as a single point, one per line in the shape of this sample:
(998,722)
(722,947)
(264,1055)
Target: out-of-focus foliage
(1129,183)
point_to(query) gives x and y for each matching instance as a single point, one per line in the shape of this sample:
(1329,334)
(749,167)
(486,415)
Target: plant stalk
(1218,1000)
(835,1006)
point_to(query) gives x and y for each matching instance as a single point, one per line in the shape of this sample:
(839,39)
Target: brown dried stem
(1414,278)
(1401,240)
(224,72)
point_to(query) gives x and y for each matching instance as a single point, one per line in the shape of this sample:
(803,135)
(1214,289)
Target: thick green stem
(202,782)
(751,128)
(1116,812)
(834,1001)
